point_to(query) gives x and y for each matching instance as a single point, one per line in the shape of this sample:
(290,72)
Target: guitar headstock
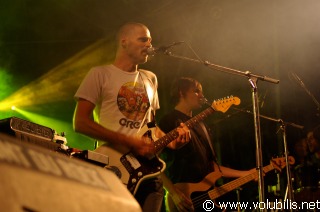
(280,163)
(224,104)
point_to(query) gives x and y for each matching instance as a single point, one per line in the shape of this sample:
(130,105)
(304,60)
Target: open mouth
(145,52)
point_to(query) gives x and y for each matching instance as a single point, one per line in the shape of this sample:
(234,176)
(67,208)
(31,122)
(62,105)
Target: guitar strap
(151,92)
(204,129)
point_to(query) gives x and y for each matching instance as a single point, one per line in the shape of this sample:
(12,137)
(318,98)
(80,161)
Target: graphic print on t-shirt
(133,101)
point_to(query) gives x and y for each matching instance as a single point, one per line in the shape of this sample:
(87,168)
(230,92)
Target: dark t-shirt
(307,175)
(192,162)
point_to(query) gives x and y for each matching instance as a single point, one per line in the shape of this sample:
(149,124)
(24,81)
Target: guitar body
(198,207)
(132,169)
(204,185)
(194,190)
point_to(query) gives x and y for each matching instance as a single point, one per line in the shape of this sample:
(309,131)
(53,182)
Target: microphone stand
(300,82)
(253,79)
(289,191)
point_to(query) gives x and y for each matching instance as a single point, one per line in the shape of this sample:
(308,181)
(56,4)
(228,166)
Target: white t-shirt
(124,100)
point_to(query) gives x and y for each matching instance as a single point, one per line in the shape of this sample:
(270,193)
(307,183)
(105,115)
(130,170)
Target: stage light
(13,107)
(60,83)
(50,90)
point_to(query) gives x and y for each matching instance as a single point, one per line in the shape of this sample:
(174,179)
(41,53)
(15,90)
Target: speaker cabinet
(36,179)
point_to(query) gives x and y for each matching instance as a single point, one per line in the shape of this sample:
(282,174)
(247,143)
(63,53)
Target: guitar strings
(197,201)
(201,198)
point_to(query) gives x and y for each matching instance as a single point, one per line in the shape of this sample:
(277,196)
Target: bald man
(125,99)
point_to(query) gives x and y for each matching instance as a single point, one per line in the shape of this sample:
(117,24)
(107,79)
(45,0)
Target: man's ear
(124,43)
(180,94)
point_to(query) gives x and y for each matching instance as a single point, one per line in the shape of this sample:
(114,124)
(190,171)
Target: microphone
(204,101)
(162,49)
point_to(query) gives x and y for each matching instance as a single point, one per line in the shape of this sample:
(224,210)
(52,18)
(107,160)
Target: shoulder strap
(150,92)
(210,143)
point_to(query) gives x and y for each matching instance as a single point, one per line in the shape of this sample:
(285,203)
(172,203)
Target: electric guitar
(133,169)
(199,192)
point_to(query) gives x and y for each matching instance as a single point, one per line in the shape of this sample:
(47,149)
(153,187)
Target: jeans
(150,195)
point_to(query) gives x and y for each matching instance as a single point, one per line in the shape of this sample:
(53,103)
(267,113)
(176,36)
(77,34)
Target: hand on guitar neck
(144,145)
(203,189)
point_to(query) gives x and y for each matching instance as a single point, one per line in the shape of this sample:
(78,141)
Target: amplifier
(36,179)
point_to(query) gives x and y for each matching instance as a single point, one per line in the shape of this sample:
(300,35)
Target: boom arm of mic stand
(226,69)
(272,119)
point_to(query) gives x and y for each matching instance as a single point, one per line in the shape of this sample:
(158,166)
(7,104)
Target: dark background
(47,47)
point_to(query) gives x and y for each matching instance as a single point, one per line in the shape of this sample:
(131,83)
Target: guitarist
(192,162)
(124,98)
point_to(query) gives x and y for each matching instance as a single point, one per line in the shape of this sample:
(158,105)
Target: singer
(118,93)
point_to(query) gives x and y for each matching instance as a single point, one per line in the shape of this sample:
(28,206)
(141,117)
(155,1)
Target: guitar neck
(219,191)
(165,140)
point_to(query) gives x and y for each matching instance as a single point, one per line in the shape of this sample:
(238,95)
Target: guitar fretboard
(219,191)
(165,140)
